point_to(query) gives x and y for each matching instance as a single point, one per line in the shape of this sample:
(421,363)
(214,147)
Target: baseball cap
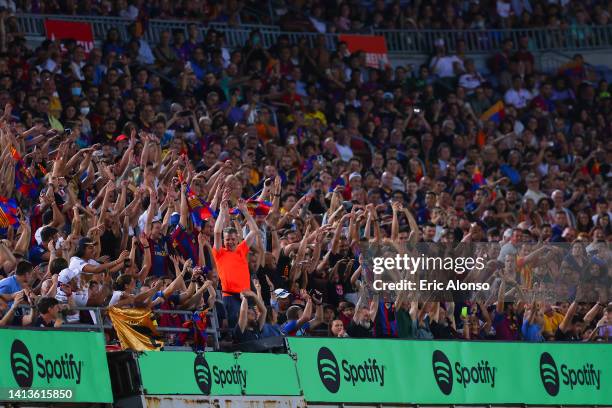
(66,275)
(121,138)
(174,218)
(83,242)
(387,95)
(86,241)
(281,293)
(354,175)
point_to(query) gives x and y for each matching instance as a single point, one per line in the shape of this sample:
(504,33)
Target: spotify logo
(442,372)
(549,374)
(328,370)
(21,364)
(201,372)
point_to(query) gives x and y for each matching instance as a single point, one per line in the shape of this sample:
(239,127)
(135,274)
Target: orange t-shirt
(233,268)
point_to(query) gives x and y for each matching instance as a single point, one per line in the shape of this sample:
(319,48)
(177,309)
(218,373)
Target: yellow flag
(56,124)
(135,329)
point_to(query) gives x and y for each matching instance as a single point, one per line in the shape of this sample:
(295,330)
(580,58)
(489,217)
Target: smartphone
(464,311)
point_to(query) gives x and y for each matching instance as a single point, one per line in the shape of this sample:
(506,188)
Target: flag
(255,207)
(477,179)
(15,153)
(55,124)
(199,209)
(197,326)
(135,329)
(495,113)
(8,212)
(481,138)
(571,69)
(25,183)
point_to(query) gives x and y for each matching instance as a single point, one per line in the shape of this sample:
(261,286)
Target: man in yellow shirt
(552,320)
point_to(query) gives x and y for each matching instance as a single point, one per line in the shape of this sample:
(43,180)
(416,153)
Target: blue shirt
(159,256)
(36,253)
(289,328)
(532,332)
(8,286)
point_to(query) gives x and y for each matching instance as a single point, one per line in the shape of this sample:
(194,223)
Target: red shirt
(233,267)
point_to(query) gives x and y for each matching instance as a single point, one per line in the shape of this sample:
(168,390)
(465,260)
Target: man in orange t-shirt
(231,258)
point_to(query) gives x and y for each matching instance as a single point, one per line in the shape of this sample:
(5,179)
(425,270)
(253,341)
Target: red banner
(82,33)
(374,47)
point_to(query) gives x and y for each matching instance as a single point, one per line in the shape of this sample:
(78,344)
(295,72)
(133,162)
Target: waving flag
(495,113)
(25,183)
(8,212)
(255,207)
(135,329)
(199,209)
(477,179)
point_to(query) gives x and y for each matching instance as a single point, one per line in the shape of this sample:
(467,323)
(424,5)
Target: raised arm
(220,224)
(253,229)
(396,207)
(244,308)
(567,319)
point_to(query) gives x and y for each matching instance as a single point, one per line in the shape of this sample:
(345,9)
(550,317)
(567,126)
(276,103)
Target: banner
(81,32)
(374,46)
(218,374)
(53,366)
(135,328)
(435,372)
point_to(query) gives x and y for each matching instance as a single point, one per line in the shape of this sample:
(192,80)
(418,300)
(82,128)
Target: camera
(316,296)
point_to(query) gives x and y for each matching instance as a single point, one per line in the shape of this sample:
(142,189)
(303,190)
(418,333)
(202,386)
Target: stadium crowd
(343,16)
(251,180)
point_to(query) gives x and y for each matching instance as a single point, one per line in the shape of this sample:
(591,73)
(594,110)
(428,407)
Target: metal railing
(102,322)
(485,41)
(34,25)
(398,41)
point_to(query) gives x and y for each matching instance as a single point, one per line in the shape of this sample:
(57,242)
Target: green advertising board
(214,373)
(457,372)
(53,366)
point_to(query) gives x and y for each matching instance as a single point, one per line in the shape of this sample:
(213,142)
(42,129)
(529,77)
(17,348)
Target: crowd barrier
(407,41)
(333,371)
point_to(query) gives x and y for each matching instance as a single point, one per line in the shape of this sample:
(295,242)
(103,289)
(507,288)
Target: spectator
(250,324)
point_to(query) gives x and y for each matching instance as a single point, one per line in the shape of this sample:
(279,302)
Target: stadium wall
(314,372)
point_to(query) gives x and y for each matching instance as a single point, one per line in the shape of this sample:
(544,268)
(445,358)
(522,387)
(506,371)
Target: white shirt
(503,9)
(506,249)
(77,69)
(470,81)
(80,299)
(518,99)
(318,25)
(535,195)
(116,297)
(595,217)
(443,66)
(397,184)
(77,264)
(346,153)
